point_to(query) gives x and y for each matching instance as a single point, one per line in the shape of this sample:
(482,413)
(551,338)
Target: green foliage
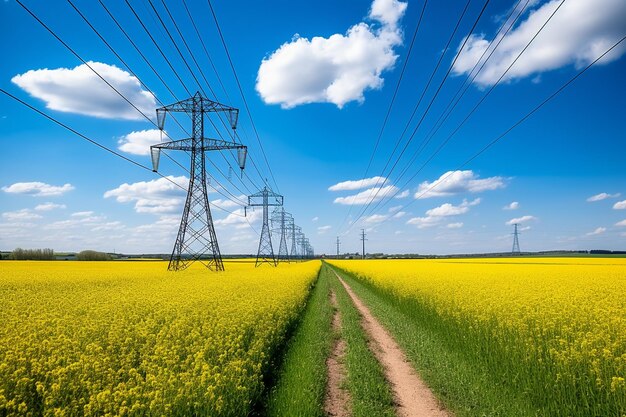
(92,255)
(20,254)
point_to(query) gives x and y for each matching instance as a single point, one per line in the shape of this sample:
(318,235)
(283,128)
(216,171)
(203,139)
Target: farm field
(117,338)
(530,336)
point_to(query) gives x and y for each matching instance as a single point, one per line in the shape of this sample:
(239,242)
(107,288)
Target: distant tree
(92,255)
(20,254)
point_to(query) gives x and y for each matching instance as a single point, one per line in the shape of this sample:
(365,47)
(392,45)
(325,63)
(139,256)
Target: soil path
(412,396)
(337,401)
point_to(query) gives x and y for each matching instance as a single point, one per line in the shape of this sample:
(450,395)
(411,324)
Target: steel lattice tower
(295,233)
(266,251)
(196,239)
(516,234)
(279,223)
(363,240)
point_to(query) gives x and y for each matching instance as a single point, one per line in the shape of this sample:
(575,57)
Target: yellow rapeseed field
(130,338)
(552,328)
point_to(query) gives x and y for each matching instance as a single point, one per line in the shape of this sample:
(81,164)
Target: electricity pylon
(268,199)
(295,233)
(279,223)
(516,234)
(338,243)
(196,239)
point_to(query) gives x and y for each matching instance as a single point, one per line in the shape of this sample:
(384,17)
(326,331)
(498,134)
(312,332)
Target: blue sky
(319,79)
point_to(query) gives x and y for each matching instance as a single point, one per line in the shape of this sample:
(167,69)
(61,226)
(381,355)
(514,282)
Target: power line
(245,102)
(442,145)
(430,103)
(393,99)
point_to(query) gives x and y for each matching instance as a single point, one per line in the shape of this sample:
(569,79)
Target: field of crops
(118,338)
(553,330)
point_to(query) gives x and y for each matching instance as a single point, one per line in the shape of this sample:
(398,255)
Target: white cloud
(403,194)
(399,214)
(375,218)
(454,225)
(599,25)
(49,206)
(24,214)
(394,208)
(240,219)
(621,223)
(314,219)
(337,69)
(602,196)
(323,229)
(620,205)
(157,196)
(79,90)
(139,142)
(356,184)
(598,231)
(82,214)
(227,203)
(520,220)
(364,197)
(437,215)
(513,206)
(38,189)
(456,182)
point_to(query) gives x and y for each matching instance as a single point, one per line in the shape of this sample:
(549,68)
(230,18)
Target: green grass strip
(301,381)
(365,380)
(464,386)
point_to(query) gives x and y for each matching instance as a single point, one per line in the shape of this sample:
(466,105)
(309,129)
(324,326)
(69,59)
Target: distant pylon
(196,239)
(279,219)
(338,247)
(363,240)
(516,234)
(266,251)
(295,233)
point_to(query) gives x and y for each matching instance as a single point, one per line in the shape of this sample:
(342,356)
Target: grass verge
(369,390)
(464,386)
(301,380)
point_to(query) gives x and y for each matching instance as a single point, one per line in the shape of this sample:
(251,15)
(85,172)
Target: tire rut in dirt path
(337,401)
(412,396)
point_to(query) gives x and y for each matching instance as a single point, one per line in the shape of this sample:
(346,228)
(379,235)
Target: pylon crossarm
(206,145)
(198,103)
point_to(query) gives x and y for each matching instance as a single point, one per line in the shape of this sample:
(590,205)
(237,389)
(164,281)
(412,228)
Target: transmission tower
(196,239)
(338,247)
(295,233)
(516,234)
(363,240)
(265,198)
(279,223)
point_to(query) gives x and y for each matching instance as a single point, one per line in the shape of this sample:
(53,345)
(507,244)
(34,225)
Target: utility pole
(338,247)
(196,239)
(516,240)
(268,199)
(363,240)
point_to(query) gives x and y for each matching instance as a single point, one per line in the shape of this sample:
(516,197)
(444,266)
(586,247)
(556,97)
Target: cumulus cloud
(602,196)
(403,194)
(375,218)
(314,219)
(599,25)
(228,204)
(457,182)
(82,214)
(437,215)
(356,184)
(337,69)
(139,142)
(20,215)
(454,225)
(520,220)
(596,232)
(49,206)
(620,205)
(37,189)
(371,194)
(240,219)
(79,90)
(513,206)
(157,196)
(621,223)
